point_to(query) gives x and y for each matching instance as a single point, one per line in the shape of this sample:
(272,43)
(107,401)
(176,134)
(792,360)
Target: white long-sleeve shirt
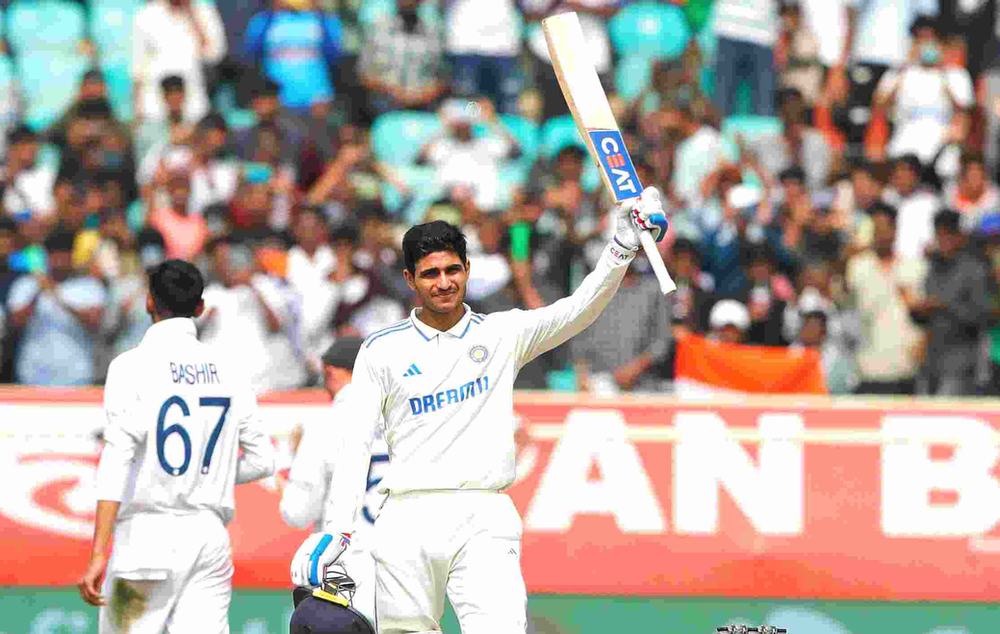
(165,42)
(310,483)
(445,400)
(178,414)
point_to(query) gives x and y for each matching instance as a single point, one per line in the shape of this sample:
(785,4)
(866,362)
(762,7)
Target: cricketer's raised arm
(351,458)
(543,329)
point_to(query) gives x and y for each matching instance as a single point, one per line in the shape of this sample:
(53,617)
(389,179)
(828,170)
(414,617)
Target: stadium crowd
(830,167)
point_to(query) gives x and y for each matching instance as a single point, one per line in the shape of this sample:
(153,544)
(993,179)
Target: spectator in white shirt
(248,313)
(175,37)
(916,207)
(28,186)
(747,31)
(310,263)
(463,159)
(214,174)
(484,40)
(697,155)
(877,38)
(930,99)
(797,144)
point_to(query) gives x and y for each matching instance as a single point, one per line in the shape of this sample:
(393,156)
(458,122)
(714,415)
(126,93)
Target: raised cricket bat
(592,113)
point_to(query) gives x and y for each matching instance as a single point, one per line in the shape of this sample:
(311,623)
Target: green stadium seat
(55,26)
(50,83)
(371,12)
(526,133)
(650,28)
(633,74)
(397,137)
(49,156)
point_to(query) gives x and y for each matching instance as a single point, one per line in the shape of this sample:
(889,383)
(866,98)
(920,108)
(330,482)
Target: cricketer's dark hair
(176,287)
(884,209)
(60,241)
(432,237)
(949,220)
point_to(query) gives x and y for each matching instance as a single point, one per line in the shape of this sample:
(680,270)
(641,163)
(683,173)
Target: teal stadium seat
(371,12)
(557,133)
(50,83)
(633,74)
(397,137)
(111,30)
(237,118)
(7,72)
(118,78)
(752,127)
(53,26)
(650,28)
(424,185)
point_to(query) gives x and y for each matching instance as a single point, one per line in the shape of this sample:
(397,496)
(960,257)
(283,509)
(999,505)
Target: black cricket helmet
(328,609)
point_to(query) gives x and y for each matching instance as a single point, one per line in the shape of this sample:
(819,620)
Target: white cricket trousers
(168,574)
(463,543)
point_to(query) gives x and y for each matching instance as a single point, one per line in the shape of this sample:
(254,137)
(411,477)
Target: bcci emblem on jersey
(479,353)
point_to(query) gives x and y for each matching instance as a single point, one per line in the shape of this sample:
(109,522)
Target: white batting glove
(644,213)
(318,551)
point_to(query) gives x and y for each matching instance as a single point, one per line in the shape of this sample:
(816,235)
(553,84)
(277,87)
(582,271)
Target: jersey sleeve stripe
(372,339)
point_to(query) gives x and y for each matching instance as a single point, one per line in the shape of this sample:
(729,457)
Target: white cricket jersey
(178,414)
(303,502)
(445,400)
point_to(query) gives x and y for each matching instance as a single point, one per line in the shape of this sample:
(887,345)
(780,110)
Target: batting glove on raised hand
(644,213)
(315,554)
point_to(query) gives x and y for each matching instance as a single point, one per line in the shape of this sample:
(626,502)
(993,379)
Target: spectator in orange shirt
(184,233)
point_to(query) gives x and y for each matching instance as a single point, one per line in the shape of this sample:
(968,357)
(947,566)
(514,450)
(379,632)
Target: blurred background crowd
(829,168)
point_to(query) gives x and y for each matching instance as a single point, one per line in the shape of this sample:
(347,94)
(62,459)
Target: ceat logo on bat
(616,163)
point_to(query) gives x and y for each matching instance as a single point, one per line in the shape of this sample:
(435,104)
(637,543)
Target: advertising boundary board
(805,498)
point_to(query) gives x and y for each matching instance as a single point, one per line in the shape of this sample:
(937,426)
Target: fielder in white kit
(309,486)
(177,417)
(440,384)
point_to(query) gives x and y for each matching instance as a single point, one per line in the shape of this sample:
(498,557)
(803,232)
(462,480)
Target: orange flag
(709,366)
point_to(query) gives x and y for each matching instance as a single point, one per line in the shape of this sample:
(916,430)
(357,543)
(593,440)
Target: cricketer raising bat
(592,113)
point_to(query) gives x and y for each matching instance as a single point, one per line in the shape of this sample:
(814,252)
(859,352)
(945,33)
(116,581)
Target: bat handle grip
(667,285)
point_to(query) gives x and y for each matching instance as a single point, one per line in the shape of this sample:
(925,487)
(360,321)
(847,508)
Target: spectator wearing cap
(250,313)
(174,129)
(58,316)
(723,247)
(956,305)
(467,160)
(930,99)
(915,204)
(798,143)
(974,194)
(880,282)
(747,33)
(729,321)
(184,232)
(28,185)
(619,351)
(297,46)
(214,173)
(174,37)
(401,61)
(125,317)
